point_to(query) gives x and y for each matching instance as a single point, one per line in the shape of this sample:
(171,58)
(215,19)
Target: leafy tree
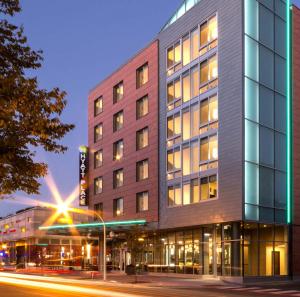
(29,115)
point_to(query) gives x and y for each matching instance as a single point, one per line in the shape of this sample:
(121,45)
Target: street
(21,285)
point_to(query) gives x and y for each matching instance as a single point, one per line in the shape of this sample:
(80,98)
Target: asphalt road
(32,286)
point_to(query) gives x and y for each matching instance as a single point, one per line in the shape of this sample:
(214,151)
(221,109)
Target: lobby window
(142,170)
(142,75)
(186,50)
(174,195)
(118,120)
(174,58)
(98,158)
(174,125)
(142,107)
(118,206)
(98,185)
(118,178)
(98,209)
(208,32)
(142,138)
(174,159)
(208,74)
(118,92)
(98,106)
(98,132)
(174,92)
(118,148)
(142,201)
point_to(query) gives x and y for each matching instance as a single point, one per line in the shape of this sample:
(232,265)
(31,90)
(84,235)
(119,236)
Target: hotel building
(196,134)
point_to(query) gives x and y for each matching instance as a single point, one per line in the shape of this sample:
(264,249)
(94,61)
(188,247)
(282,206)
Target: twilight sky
(83,42)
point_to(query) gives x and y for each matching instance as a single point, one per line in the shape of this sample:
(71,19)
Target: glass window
(118,92)
(209,70)
(174,125)
(266,186)
(118,178)
(174,159)
(177,53)
(251,142)
(142,138)
(98,130)
(186,88)
(204,188)
(266,30)
(280,151)
(280,36)
(204,112)
(170,57)
(280,74)
(142,201)
(195,156)
(98,158)
(142,170)
(186,161)
(213,147)
(98,106)
(195,43)
(195,81)
(204,149)
(118,207)
(142,75)
(208,31)
(195,116)
(98,185)
(213,187)
(251,100)
(118,148)
(251,58)
(280,189)
(174,195)
(280,113)
(266,69)
(251,183)
(266,146)
(186,49)
(142,107)
(118,120)
(195,191)
(251,18)
(186,126)
(213,108)
(266,107)
(174,90)
(186,194)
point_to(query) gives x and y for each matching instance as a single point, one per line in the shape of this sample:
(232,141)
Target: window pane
(204,112)
(266,146)
(280,36)
(280,151)
(213,68)
(171,196)
(251,58)
(177,51)
(251,142)
(280,76)
(251,18)
(170,159)
(186,88)
(98,106)
(266,187)
(266,69)
(195,81)
(195,43)
(177,158)
(251,99)
(204,188)
(266,30)
(213,187)
(186,125)
(170,130)
(186,160)
(178,198)
(266,107)
(195,156)
(195,119)
(203,34)
(213,108)
(213,28)
(213,148)
(204,149)
(251,183)
(280,113)
(203,72)
(195,191)
(280,189)
(186,194)
(170,91)
(177,124)
(177,89)
(186,51)
(170,57)
(251,212)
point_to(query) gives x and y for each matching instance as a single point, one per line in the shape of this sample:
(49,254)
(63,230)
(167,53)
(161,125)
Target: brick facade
(127,74)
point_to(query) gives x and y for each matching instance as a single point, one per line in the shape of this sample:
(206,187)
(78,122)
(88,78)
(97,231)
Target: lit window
(208,70)
(209,110)
(186,194)
(195,82)
(186,161)
(118,178)
(118,205)
(118,92)
(98,130)
(174,159)
(98,208)
(195,120)
(174,195)
(98,106)
(194,44)
(174,125)
(186,88)
(142,75)
(208,31)
(209,148)
(142,107)
(186,125)
(142,170)
(174,58)
(213,186)
(186,48)
(195,190)
(174,90)
(142,201)
(118,148)
(204,188)
(195,156)
(142,138)
(213,148)
(118,120)
(98,158)
(98,184)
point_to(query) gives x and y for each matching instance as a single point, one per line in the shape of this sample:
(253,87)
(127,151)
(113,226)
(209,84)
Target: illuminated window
(174,125)
(213,148)
(194,81)
(98,130)
(186,125)
(142,76)
(195,114)
(194,44)
(195,190)
(98,106)
(186,194)
(213,186)
(98,158)
(174,58)
(186,48)
(118,205)
(208,70)
(186,88)
(98,184)
(186,161)
(118,92)
(213,109)
(142,170)
(209,148)
(142,107)
(204,188)
(142,201)
(174,90)
(118,178)
(208,31)
(195,156)
(142,138)
(204,149)
(209,110)
(118,120)
(174,159)
(118,148)
(174,195)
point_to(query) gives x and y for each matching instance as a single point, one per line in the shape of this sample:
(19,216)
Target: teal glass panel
(266,214)
(280,113)
(251,100)
(266,107)
(280,8)
(251,142)
(280,36)
(266,186)
(251,212)
(280,151)
(251,183)
(266,146)
(251,58)
(268,3)
(266,67)
(280,74)
(280,189)
(280,216)
(266,26)
(251,18)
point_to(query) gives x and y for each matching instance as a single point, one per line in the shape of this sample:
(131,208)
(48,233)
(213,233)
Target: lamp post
(104,246)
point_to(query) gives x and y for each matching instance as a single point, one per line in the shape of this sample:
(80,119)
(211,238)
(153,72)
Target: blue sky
(83,42)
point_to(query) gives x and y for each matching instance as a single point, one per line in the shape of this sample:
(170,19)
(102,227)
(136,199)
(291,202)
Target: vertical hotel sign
(83,176)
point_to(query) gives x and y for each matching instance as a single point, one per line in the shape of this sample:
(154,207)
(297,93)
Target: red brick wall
(296,131)
(127,74)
